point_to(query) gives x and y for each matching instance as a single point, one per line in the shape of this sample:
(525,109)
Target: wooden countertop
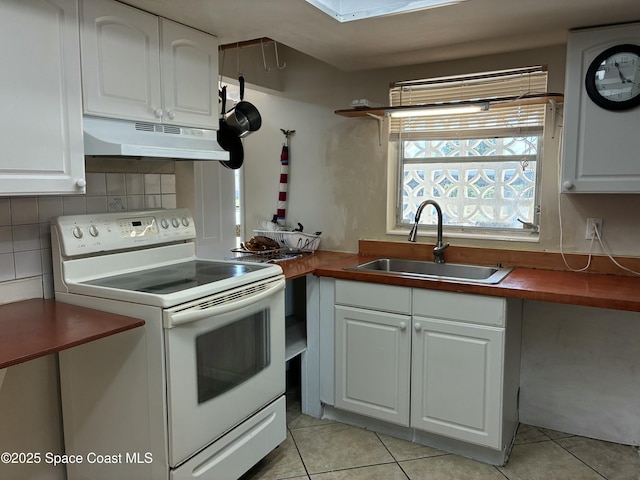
(588,289)
(309,263)
(37,327)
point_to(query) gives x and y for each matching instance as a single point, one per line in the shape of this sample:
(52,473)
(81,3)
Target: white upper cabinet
(40,97)
(601,143)
(120,62)
(189,65)
(137,66)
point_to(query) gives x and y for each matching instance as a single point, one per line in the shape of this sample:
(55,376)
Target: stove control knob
(175,222)
(185,221)
(164,223)
(93,231)
(77,232)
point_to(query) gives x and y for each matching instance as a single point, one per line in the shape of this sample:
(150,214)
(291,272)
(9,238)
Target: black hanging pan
(228,138)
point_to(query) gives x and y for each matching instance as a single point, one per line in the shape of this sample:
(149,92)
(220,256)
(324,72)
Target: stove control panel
(93,233)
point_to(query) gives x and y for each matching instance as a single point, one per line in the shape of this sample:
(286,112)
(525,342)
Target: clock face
(613,78)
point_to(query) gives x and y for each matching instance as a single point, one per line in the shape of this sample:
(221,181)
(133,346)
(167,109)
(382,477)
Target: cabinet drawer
(479,309)
(374,296)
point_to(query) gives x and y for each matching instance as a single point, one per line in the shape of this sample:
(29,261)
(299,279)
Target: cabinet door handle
(172,114)
(158,112)
(81,183)
(403,326)
(417,326)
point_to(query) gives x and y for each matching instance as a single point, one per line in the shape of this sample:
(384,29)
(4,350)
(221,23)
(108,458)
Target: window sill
(527,237)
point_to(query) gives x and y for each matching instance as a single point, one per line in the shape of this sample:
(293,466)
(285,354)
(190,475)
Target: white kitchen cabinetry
(439,362)
(600,146)
(40,94)
(137,66)
(373,354)
(373,348)
(457,366)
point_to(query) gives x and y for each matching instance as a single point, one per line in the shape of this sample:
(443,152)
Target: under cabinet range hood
(114,137)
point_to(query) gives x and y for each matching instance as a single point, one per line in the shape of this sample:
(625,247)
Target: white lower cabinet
(447,364)
(373,352)
(456,380)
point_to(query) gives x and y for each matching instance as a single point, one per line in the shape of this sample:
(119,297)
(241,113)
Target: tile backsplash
(25,244)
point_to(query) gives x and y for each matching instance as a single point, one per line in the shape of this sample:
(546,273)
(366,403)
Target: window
(483,168)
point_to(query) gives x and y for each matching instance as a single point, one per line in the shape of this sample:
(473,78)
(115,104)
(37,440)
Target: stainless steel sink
(447,271)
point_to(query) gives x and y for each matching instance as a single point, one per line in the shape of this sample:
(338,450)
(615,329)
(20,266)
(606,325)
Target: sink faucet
(438,250)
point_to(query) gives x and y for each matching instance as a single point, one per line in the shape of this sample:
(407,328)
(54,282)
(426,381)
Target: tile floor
(324,450)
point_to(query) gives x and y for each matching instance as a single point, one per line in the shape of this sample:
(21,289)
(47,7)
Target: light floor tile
(389,471)
(449,467)
(529,434)
(554,434)
(302,421)
(404,450)
(283,462)
(545,460)
(612,460)
(337,446)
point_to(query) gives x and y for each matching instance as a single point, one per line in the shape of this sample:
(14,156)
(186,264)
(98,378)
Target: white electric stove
(198,392)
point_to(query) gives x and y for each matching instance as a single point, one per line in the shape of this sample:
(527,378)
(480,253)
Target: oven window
(231,355)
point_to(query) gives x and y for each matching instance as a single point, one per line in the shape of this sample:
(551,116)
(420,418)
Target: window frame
(397,161)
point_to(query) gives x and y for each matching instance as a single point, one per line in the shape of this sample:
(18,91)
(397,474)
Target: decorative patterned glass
(485,182)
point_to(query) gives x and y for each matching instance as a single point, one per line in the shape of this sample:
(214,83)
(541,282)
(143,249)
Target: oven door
(225,361)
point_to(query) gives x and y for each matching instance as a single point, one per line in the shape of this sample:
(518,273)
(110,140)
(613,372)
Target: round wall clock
(613,78)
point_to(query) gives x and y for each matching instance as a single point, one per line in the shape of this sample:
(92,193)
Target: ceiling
(467,29)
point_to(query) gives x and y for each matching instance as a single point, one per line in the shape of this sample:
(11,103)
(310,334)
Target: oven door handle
(197,312)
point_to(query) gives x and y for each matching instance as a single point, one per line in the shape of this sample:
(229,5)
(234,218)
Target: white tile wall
(25,243)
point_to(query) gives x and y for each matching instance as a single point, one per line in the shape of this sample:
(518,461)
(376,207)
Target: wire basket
(292,240)
(261,257)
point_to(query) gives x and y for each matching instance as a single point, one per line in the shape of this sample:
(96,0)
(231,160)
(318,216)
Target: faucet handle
(440,248)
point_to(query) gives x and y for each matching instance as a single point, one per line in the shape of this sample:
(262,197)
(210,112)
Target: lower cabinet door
(373,363)
(457,380)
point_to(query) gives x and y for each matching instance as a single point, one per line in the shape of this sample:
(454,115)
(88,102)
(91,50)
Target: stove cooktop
(174,278)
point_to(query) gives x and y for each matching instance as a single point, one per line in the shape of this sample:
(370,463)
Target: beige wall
(338,170)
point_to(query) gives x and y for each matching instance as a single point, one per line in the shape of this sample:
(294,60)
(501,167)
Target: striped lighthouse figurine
(284,178)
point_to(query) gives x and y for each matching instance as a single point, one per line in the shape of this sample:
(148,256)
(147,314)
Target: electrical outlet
(591,224)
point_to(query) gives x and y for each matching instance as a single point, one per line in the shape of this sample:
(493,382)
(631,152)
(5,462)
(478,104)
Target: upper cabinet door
(601,144)
(40,98)
(120,62)
(189,76)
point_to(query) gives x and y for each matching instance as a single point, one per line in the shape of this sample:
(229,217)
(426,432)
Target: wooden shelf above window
(493,103)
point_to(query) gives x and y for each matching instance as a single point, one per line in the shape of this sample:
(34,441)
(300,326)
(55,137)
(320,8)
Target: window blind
(502,119)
